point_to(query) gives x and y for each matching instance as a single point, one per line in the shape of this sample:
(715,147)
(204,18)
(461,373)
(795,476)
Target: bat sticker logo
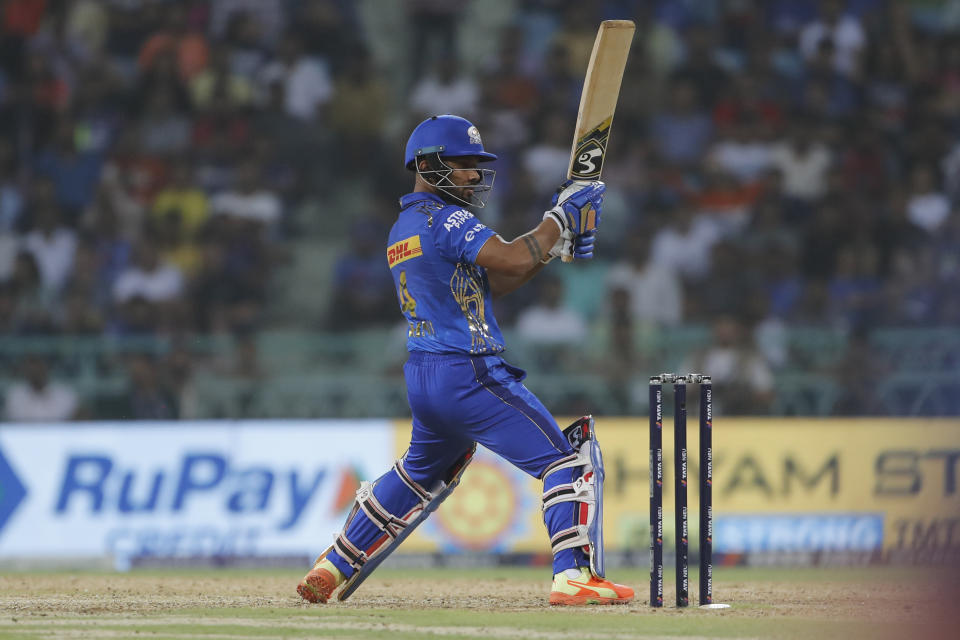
(590,151)
(585,160)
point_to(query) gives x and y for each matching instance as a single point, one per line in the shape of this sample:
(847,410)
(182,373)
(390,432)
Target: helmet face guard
(438,174)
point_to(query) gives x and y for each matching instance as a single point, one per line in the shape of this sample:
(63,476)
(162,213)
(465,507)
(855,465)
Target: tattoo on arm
(534,248)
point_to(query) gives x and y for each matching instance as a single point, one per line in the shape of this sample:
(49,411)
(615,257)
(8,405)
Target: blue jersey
(443,293)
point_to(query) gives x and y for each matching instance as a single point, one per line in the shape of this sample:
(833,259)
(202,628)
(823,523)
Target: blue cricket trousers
(456,400)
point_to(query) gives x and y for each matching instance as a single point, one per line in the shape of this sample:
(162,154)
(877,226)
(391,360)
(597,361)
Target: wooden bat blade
(601,88)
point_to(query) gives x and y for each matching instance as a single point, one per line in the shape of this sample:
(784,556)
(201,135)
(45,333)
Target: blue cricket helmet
(448,136)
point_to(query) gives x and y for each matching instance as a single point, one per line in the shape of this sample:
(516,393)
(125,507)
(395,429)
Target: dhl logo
(404,250)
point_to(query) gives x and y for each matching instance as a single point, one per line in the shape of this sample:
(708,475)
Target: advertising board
(182,489)
(785,485)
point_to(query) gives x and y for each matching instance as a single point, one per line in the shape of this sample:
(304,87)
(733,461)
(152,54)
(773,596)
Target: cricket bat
(601,88)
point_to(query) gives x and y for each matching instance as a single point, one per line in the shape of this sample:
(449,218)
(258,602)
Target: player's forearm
(501,285)
(515,259)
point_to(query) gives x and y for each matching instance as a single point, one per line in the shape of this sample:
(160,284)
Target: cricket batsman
(446,266)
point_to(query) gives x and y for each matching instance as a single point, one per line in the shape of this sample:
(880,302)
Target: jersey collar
(418,196)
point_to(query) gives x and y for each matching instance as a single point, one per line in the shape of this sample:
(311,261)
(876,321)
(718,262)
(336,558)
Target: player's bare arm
(517,258)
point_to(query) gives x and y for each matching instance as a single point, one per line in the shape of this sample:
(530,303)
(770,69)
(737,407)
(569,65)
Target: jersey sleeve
(459,236)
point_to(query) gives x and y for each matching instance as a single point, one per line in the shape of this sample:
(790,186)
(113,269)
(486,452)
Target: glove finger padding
(577,211)
(581,211)
(583,245)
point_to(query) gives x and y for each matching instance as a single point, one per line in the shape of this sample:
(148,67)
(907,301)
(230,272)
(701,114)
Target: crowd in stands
(177,168)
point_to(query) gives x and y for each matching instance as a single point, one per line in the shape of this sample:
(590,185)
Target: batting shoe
(320,582)
(582,587)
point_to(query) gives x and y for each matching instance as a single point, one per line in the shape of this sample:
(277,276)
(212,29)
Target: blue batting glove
(556,194)
(580,210)
(583,245)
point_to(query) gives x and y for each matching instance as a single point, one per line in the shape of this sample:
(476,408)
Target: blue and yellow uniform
(460,390)
(443,294)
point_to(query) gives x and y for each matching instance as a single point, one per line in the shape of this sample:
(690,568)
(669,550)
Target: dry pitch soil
(106,605)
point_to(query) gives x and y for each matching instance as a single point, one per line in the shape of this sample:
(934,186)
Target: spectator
(742,381)
(359,107)
(782,279)
(842,30)
(910,294)
(803,161)
(433,25)
(162,77)
(229,291)
(175,37)
(36,306)
(547,321)
(130,182)
(725,202)
(249,200)
(699,66)
(683,245)
(267,15)
(146,398)
(149,278)
(53,246)
(244,36)
(654,291)
(822,241)
(824,92)
(306,81)
(11,196)
(742,152)
(446,90)
(862,369)
(927,207)
(620,362)
(218,83)
(855,287)
(546,163)
(37,399)
(175,245)
(113,248)
(74,174)
(558,84)
(8,309)
(88,25)
(82,298)
(178,380)
(163,130)
(682,131)
(363,292)
(181,195)
(509,86)
(328,30)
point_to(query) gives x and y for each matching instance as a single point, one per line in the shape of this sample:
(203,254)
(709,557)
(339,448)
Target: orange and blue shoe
(579,586)
(320,582)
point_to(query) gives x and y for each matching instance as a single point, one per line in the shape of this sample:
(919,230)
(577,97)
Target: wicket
(680,487)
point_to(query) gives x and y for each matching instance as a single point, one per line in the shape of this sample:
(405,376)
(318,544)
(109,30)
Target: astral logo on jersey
(404,250)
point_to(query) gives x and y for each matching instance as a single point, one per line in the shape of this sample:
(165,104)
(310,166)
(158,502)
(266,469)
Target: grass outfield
(482,604)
